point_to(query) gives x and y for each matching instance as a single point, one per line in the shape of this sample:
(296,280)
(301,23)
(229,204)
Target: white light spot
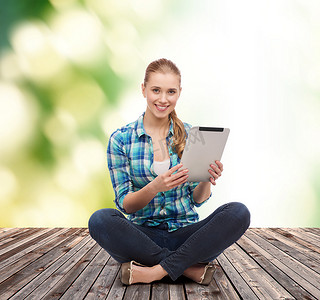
(89,157)
(9,185)
(17,116)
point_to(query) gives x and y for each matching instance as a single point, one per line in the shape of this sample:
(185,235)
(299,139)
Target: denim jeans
(200,242)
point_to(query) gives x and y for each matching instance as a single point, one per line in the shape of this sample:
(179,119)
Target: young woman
(161,234)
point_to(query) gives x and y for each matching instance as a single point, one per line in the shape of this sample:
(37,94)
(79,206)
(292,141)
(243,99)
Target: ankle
(195,272)
(148,274)
(159,272)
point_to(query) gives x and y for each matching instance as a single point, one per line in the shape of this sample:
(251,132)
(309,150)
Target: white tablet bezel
(204,146)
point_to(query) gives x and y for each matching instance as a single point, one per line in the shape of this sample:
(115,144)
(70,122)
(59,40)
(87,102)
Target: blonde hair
(163,65)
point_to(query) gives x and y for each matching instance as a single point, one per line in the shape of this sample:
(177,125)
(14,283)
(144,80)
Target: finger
(220,165)
(216,169)
(214,174)
(212,181)
(180,174)
(169,180)
(173,169)
(180,180)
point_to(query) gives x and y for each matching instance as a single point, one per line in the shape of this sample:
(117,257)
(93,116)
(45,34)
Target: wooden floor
(54,263)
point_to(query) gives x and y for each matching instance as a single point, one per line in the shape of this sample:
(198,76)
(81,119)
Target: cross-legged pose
(161,233)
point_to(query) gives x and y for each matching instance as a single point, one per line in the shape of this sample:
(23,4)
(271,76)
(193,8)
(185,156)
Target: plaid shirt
(130,162)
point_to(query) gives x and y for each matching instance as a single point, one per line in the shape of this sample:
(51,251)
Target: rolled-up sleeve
(192,186)
(118,164)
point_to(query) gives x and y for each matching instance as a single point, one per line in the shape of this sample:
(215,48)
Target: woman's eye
(155,90)
(172,92)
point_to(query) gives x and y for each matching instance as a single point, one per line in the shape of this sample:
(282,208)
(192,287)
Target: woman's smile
(161,107)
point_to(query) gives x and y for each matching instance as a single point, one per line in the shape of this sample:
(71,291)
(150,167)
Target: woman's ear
(143,89)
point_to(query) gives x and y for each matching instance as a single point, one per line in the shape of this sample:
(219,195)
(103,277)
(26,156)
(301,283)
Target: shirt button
(162,212)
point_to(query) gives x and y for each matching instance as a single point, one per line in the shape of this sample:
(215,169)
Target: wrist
(202,192)
(152,188)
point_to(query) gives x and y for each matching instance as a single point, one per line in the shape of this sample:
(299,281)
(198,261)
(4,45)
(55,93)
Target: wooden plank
(103,284)
(85,280)
(70,275)
(240,284)
(160,291)
(292,250)
(316,231)
(28,243)
(3,229)
(292,282)
(176,292)
(20,238)
(288,240)
(298,238)
(263,285)
(118,289)
(40,285)
(21,278)
(195,291)
(57,271)
(226,289)
(14,258)
(27,258)
(137,292)
(304,235)
(10,233)
(293,264)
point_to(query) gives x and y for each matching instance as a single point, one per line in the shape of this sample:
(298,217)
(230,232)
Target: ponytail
(179,136)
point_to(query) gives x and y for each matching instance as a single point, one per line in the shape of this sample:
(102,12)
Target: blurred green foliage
(14,11)
(67,67)
(64,65)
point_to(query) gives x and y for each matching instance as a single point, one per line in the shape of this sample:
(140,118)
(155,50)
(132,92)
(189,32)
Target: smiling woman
(161,203)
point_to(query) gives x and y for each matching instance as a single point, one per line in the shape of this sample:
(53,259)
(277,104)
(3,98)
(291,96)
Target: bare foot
(195,272)
(147,274)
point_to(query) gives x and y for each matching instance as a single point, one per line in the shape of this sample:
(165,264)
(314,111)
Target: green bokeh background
(71,73)
(64,67)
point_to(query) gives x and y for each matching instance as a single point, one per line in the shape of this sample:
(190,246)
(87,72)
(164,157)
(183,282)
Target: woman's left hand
(215,171)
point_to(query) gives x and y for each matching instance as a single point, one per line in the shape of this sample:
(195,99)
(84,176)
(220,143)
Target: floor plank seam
(231,282)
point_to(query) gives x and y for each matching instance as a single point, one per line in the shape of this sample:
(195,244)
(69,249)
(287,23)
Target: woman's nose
(163,97)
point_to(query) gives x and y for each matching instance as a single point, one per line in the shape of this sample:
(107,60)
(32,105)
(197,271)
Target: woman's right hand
(168,180)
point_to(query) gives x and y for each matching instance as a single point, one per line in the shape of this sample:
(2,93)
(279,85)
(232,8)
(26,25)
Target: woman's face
(162,92)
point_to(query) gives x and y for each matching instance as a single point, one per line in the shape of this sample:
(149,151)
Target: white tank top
(161,166)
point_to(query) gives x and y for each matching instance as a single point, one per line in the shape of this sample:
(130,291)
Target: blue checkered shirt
(130,162)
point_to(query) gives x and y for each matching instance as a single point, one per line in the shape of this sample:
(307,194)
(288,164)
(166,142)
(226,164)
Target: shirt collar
(140,128)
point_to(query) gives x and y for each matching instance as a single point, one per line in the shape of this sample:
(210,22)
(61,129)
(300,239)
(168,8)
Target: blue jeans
(200,242)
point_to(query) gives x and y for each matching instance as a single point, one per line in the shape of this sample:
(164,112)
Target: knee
(100,219)
(242,213)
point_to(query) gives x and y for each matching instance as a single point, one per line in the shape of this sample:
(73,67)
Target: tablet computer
(203,147)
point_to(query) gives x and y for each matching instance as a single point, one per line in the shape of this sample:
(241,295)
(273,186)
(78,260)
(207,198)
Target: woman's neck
(155,125)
